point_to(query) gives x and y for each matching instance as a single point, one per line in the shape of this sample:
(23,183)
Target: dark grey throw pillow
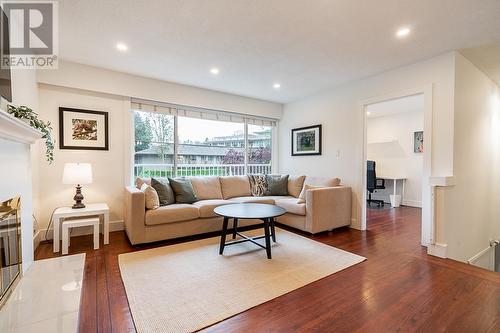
(164,190)
(277,185)
(183,189)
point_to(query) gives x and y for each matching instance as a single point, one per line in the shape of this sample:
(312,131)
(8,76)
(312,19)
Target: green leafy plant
(24,112)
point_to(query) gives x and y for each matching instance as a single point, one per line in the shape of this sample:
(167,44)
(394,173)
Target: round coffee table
(263,212)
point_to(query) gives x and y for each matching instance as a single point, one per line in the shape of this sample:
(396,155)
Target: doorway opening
(396,157)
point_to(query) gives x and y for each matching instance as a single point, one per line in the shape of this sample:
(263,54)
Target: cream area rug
(189,286)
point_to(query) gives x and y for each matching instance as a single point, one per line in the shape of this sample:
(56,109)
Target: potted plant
(31,117)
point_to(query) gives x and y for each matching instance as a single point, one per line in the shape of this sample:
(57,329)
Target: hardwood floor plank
(399,288)
(103,313)
(88,303)
(121,316)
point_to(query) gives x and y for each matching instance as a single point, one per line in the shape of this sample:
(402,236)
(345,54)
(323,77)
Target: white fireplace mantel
(16,137)
(14,129)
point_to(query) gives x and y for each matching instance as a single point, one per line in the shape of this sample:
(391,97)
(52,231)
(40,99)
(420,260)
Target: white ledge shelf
(443,181)
(14,129)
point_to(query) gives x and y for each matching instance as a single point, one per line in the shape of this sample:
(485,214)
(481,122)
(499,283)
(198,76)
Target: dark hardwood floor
(399,288)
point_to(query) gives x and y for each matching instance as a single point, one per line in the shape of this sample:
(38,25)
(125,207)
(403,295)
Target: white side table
(99,209)
(80,222)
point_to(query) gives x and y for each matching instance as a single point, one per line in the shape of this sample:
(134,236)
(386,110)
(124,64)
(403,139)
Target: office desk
(395,179)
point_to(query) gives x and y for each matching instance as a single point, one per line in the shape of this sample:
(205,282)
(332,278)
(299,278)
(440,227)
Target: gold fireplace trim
(10,247)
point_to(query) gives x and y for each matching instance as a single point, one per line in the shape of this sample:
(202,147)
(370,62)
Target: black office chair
(373,183)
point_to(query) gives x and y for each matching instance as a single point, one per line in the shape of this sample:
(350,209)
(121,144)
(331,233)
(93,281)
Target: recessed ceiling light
(368,113)
(121,47)
(214,71)
(403,32)
(276,86)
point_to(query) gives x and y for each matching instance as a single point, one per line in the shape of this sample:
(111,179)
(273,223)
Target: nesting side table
(96,209)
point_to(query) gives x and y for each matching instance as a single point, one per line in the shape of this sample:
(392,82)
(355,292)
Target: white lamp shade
(77,173)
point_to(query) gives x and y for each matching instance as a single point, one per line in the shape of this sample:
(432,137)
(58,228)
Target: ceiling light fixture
(121,47)
(403,32)
(214,71)
(368,113)
(276,86)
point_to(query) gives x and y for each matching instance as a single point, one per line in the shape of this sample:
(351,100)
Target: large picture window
(173,142)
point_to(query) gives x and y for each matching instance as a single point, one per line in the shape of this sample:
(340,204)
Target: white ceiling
(486,58)
(305,45)
(413,103)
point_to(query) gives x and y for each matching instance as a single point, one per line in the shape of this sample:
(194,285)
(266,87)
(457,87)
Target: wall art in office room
(306,140)
(83,129)
(418,142)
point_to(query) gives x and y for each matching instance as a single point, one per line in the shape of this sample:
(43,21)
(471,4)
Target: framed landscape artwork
(418,142)
(306,141)
(83,129)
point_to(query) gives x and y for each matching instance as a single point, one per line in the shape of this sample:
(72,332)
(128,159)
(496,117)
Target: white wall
(390,145)
(101,80)
(474,212)
(108,166)
(339,110)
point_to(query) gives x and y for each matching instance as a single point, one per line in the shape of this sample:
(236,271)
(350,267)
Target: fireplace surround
(16,138)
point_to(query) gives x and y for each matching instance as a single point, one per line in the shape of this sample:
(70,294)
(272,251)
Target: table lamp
(77,174)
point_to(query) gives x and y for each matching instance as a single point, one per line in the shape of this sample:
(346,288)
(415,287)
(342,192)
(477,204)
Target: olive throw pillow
(258,185)
(277,185)
(164,190)
(183,190)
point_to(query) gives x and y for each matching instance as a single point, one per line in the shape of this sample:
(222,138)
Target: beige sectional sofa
(325,208)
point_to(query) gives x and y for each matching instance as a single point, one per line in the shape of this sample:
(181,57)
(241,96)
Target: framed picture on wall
(83,129)
(306,140)
(418,142)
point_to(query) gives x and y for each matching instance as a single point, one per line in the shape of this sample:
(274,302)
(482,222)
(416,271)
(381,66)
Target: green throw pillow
(277,185)
(183,189)
(164,190)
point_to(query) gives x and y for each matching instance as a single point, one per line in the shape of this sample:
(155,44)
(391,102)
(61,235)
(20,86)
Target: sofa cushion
(258,185)
(316,182)
(164,190)
(277,185)
(206,207)
(295,184)
(139,181)
(183,189)
(150,196)
(291,205)
(235,186)
(172,213)
(322,181)
(206,187)
(266,200)
(302,196)
(252,199)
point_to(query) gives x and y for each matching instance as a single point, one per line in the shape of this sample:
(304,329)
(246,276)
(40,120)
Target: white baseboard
(113,226)
(412,203)
(437,250)
(37,238)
